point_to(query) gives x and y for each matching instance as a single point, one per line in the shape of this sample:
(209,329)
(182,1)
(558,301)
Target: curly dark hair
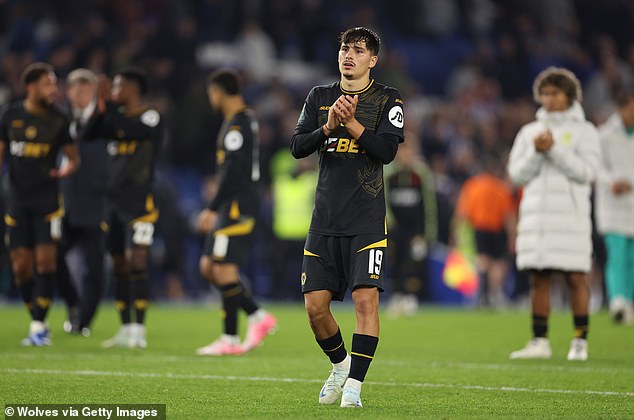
(561,78)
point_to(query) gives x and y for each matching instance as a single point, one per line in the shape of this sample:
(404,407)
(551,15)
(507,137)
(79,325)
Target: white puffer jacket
(615,213)
(554,228)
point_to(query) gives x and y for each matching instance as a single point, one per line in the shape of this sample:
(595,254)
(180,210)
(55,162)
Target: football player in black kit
(134,134)
(230,219)
(355,125)
(33,132)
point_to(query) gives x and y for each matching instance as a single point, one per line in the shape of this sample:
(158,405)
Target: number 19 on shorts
(374,262)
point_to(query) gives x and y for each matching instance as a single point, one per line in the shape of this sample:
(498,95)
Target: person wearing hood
(555,159)
(615,206)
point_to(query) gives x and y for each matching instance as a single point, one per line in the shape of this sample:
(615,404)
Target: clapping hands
(342,112)
(544,141)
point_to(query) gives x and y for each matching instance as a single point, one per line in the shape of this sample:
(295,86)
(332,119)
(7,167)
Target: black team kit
(236,203)
(34,210)
(347,239)
(133,143)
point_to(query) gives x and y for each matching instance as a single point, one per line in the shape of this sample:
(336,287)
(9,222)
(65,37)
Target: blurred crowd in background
(464,68)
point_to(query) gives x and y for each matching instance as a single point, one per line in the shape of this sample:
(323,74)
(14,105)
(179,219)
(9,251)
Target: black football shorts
(337,263)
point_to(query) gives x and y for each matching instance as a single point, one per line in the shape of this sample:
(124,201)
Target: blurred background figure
(293,186)
(32,133)
(556,158)
(615,206)
(134,133)
(412,226)
(486,204)
(81,252)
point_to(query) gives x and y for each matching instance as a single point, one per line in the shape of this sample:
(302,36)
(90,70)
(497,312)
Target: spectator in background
(615,207)
(293,188)
(556,158)
(84,200)
(413,225)
(486,204)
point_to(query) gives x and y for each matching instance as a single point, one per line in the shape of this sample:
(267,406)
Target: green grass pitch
(443,363)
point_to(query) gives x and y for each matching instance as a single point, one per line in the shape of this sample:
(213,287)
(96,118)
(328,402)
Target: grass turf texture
(444,363)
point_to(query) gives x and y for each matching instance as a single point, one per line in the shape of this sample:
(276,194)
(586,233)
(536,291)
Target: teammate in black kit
(33,132)
(355,125)
(231,217)
(134,134)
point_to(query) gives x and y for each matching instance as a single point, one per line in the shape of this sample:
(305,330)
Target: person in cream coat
(615,206)
(555,159)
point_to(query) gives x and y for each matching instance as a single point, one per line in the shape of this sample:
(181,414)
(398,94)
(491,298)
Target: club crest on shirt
(30,132)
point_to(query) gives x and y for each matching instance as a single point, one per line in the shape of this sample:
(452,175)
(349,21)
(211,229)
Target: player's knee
(138,259)
(45,263)
(316,311)
(119,264)
(225,273)
(577,282)
(366,300)
(22,271)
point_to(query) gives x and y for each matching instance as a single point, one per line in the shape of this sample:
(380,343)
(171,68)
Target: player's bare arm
(206,221)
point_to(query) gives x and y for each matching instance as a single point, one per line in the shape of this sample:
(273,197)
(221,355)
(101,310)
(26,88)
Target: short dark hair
(34,72)
(227,80)
(359,33)
(136,76)
(561,78)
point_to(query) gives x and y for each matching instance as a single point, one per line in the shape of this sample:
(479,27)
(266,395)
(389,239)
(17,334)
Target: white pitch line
(298,380)
(509,366)
(519,365)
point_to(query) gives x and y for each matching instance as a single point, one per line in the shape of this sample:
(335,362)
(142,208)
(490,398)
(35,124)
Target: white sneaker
(120,339)
(223,346)
(351,396)
(137,338)
(578,350)
(39,335)
(621,311)
(537,348)
(333,386)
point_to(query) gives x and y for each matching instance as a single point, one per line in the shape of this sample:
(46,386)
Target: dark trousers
(409,265)
(81,269)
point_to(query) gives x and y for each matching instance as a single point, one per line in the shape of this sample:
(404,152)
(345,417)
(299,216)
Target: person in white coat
(555,159)
(615,206)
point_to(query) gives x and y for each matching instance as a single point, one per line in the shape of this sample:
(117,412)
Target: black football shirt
(238,165)
(349,198)
(32,143)
(133,144)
